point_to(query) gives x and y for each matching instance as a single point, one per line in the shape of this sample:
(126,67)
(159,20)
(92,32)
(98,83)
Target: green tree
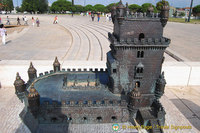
(135,8)
(196,10)
(61,6)
(145,7)
(34,6)
(42,6)
(99,8)
(18,9)
(79,8)
(89,8)
(109,7)
(160,4)
(6,5)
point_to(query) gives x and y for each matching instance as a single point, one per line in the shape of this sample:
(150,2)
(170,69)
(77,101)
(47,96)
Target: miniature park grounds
(80,43)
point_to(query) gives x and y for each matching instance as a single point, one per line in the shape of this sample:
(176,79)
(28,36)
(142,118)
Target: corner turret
(33,100)
(150,11)
(134,97)
(113,13)
(160,86)
(56,65)
(127,10)
(19,84)
(120,12)
(32,72)
(164,14)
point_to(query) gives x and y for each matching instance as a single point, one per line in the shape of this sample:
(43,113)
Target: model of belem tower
(130,87)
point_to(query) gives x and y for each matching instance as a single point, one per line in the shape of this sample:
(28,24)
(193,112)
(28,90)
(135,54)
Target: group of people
(3,31)
(93,16)
(24,18)
(108,16)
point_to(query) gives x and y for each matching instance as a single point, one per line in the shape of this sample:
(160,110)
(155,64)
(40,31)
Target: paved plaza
(80,39)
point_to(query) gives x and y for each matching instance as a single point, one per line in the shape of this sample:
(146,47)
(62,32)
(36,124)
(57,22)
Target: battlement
(95,103)
(63,71)
(141,15)
(139,42)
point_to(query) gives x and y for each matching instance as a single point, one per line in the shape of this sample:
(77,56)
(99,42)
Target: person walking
(92,16)
(18,21)
(33,21)
(3,34)
(98,16)
(38,22)
(0,20)
(8,21)
(55,20)
(25,21)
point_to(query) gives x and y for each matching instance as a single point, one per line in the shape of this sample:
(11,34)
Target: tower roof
(18,80)
(33,92)
(120,5)
(31,68)
(56,62)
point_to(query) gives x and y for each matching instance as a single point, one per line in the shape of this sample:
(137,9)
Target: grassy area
(182,20)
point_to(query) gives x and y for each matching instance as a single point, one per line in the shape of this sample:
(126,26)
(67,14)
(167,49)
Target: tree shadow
(184,107)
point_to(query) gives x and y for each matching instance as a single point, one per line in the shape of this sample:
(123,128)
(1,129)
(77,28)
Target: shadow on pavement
(187,108)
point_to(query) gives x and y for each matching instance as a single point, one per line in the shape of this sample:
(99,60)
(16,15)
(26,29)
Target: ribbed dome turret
(32,72)
(31,68)
(19,84)
(56,65)
(135,92)
(120,12)
(164,13)
(33,92)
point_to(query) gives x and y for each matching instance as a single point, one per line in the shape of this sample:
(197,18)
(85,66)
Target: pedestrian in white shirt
(3,34)
(25,21)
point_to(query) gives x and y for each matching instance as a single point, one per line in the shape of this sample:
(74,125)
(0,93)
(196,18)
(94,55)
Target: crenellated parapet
(148,42)
(81,103)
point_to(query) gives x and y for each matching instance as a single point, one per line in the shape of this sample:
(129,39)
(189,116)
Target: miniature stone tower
(135,60)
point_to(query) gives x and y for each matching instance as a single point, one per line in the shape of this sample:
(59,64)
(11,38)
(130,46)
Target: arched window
(84,118)
(141,36)
(99,118)
(139,70)
(140,54)
(137,83)
(113,118)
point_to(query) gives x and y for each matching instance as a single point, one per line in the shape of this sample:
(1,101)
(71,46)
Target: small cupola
(32,72)
(33,92)
(164,13)
(56,65)
(120,12)
(19,84)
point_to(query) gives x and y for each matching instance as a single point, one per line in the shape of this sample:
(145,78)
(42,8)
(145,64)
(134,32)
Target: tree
(18,9)
(6,5)
(89,8)
(109,7)
(145,7)
(34,6)
(99,8)
(160,4)
(196,10)
(61,6)
(79,8)
(42,6)
(135,8)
